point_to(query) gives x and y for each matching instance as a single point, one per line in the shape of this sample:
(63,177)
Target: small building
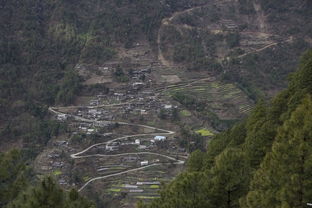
(111,148)
(91,131)
(143,112)
(62,182)
(167,107)
(142,147)
(94,102)
(84,129)
(137,85)
(137,141)
(62,117)
(159,138)
(144,163)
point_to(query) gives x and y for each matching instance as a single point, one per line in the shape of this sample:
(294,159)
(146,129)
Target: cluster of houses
(114,146)
(138,99)
(95,113)
(87,128)
(142,103)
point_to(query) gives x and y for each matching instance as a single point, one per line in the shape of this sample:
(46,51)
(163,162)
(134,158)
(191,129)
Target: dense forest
(263,161)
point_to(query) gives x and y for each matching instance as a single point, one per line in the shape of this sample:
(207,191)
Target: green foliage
(189,101)
(230,178)
(191,140)
(13,175)
(260,134)
(195,49)
(283,179)
(48,194)
(183,192)
(69,88)
(195,162)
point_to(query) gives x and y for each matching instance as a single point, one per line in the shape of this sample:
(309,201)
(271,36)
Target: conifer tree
(195,162)
(284,178)
(230,178)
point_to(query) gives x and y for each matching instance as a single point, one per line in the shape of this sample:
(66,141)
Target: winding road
(79,155)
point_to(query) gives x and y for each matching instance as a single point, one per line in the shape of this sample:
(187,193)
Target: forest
(263,161)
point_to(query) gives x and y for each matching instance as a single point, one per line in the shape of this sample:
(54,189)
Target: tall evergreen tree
(13,174)
(284,179)
(230,178)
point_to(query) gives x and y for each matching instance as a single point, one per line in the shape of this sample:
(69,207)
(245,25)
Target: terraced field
(226,100)
(142,185)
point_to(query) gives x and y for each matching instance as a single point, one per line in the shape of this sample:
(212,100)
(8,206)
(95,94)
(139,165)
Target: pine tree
(230,178)
(260,135)
(12,175)
(284,179)
(195,162)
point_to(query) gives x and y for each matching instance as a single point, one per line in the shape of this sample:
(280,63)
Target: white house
(159,138)
(145,162)
(62,117)
(142,147)
(167,107)
(90,131)
(137,141)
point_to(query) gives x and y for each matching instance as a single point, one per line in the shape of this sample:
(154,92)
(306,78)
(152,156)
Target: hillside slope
(264,161)
(41,42)
(194,67)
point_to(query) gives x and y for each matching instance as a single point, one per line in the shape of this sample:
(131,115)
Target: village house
(111,147)
(144,163)
(94,102)
(90,131)
(141,147)
(159,138)
(62,117)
